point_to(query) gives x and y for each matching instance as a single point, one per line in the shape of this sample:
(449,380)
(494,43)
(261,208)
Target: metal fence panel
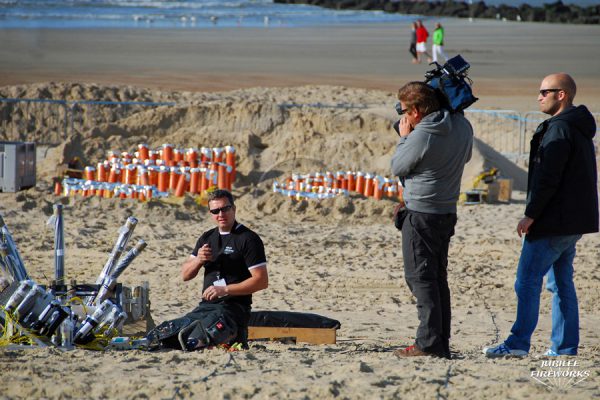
(501,129)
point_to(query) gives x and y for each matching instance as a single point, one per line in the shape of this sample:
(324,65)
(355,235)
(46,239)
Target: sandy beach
(340,257)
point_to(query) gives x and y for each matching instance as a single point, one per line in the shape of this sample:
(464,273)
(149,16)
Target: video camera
(452,84)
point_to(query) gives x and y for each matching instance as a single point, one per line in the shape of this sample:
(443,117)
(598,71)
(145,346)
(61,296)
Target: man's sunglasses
(216,211)
(399,109)
(544,92)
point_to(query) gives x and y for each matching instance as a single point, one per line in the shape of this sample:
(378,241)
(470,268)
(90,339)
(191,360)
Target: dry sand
(338,257)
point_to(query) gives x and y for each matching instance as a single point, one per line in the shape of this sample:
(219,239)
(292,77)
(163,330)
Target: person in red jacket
(422,36)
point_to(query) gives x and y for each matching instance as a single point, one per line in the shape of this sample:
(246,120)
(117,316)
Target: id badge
(220,282)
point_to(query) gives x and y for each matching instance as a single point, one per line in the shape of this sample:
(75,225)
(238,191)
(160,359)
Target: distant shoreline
(556,12)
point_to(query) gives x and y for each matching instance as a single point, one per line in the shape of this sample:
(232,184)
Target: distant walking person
(413,43)
(438,44)
(562,205)
(422,36)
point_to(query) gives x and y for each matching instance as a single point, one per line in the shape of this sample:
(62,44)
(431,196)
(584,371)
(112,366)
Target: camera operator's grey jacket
(430,162)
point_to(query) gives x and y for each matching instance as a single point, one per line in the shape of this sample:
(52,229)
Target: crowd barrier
(320,185)
(148,173)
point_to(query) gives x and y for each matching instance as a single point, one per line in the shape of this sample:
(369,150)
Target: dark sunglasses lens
(399,109)
(216,211)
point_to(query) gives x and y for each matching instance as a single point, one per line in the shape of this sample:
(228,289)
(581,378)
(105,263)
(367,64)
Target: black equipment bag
(450,81)
(208,325)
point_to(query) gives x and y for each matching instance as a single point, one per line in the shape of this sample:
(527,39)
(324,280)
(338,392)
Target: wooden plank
(307,335)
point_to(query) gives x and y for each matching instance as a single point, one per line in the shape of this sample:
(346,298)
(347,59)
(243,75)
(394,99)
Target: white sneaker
(552,353)
(502,350)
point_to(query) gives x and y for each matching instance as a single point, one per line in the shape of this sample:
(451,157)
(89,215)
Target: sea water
(189,14)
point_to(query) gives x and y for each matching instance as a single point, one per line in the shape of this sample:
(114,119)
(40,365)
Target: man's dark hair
(220,194)
(420,96)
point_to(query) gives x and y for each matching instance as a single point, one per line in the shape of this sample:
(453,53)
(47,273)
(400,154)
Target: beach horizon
(508,59)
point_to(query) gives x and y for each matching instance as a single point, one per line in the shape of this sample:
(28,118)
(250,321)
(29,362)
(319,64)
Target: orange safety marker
(163,179)
(230,160)
(143,152)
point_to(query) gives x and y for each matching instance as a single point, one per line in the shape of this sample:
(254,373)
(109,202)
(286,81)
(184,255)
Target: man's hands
(405,128)
(214,292)
(204,254)
(190,268)
(523,226)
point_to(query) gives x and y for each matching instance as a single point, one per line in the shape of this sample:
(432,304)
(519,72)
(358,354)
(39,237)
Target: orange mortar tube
(178,155)
(163,179)
(217,154)
(222,176)
(144,178)
(191,156)
(57,188)
(167,153)
(205,155)
(173,178)
(115,174)
(143,152)
(368,185)
(184,179)
(360,182)
(378,188)
(230,160)
(101,172)
(194,180)
(90,173)
(351,178)
(203,178)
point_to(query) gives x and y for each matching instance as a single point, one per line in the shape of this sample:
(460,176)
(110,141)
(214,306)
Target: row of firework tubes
(44,312)
(325,185)
(147,173)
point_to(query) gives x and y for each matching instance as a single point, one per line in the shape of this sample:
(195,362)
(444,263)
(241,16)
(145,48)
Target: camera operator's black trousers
(425,241)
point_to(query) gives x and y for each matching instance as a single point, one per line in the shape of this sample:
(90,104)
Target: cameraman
(434,146)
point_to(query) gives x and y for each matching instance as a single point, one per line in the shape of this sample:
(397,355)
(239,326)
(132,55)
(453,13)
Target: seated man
(235,266)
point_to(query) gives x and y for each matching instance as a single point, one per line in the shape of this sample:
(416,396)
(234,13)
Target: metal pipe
(59,245)
(20,273)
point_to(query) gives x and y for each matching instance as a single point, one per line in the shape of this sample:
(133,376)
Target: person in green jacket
(438,44)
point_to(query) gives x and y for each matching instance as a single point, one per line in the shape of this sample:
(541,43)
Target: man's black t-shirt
(234,254)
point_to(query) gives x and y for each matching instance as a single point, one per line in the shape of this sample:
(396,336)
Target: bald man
(562,205)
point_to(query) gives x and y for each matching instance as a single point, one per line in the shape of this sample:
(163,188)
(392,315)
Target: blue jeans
(553,255)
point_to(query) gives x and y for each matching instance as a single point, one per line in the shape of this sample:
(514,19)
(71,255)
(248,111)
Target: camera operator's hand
(405,127)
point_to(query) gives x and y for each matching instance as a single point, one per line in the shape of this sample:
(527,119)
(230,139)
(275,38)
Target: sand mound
(275,131)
